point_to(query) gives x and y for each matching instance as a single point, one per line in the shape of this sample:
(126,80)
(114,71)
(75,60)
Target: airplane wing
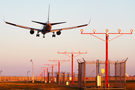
(39,30)
(55,30)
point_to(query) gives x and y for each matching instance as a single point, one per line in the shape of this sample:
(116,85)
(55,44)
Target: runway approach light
(94,30)
(119,30)
(81,30)
(106,30)
(131,30)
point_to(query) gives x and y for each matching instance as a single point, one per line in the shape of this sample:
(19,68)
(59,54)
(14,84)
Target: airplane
(47,27)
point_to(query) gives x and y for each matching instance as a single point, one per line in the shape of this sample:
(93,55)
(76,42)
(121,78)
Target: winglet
(89,21)
(4,19)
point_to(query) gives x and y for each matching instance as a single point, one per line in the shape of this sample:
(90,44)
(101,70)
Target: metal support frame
(121,76)
(52,69)
(106,41)
(44,71)
(81,75)
(59,63)
(45,68)
(48,77)
(72,56)
(97,67)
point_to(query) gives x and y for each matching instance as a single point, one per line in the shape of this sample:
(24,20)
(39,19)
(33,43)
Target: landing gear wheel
(43,36)
(53,35)
(37,35)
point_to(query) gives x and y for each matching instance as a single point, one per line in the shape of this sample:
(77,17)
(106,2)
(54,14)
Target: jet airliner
(47,27)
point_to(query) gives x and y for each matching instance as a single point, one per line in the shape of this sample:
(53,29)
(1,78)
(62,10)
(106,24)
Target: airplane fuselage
(47,28)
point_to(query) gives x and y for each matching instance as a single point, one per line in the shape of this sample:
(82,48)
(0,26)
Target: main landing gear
(53,35)
(37,35)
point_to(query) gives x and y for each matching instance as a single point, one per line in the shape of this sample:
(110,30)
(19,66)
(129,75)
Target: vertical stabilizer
(48,12)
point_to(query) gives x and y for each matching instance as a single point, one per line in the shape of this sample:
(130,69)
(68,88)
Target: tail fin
(48,12)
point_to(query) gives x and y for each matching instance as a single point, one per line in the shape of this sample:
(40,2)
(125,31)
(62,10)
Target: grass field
(130,85)
(43,86)
(34,86)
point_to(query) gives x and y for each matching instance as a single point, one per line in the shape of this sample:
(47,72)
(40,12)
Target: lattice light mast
(106,41)
(72,56)
(59,63)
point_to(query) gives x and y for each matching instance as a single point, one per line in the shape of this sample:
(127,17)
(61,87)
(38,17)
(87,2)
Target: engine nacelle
(58,33)
(31,31)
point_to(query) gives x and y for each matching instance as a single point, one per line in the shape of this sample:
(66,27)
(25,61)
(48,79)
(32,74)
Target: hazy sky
(18,47)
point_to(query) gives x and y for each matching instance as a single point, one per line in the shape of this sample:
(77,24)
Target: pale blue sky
(18,46)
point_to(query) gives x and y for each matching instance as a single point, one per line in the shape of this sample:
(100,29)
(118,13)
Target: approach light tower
(52,68)
(38,73)
(47,68)
(59,63)
(43,68)
(106,41)
(72,56)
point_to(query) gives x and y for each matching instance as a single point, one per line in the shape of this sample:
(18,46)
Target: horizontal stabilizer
(57,23)
(40,22)
(46,23)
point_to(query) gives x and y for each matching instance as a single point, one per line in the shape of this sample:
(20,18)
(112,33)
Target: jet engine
(31,31)
(58,33)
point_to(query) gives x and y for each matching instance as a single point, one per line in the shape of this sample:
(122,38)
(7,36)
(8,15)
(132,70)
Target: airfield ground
(130,85)
(35,86)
